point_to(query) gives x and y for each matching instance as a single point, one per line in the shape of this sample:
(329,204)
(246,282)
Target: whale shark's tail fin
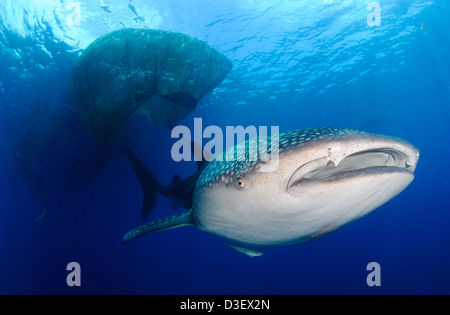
(150,185)
(167,223)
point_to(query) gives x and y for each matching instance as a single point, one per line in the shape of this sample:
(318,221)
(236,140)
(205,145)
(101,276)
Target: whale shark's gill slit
(167,223)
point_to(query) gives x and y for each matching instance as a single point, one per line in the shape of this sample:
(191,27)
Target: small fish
(105,7)
(247,251)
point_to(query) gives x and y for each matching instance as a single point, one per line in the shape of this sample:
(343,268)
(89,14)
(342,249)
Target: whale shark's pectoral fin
(247,251)
(167,223)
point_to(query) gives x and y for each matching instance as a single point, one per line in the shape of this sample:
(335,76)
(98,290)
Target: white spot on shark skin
(336,154)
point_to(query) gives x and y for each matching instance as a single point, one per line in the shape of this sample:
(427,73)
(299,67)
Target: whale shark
(326,179)
(29,169)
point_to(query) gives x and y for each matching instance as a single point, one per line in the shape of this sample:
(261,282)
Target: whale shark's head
(324,179)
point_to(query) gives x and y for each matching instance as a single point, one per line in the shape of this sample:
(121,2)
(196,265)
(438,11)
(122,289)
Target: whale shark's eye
(240,183)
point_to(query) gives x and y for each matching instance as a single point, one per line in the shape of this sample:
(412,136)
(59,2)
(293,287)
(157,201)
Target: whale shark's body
(326,178)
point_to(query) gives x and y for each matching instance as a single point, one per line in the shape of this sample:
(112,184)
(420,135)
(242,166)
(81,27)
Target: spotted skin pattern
(228,167)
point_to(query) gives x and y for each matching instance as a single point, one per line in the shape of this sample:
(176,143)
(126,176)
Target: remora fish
(247,251)
(327,177)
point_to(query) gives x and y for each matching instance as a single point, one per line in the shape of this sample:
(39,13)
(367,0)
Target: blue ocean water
(296,64)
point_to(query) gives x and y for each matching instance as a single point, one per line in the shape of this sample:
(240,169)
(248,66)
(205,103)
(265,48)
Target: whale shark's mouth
(383,160)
